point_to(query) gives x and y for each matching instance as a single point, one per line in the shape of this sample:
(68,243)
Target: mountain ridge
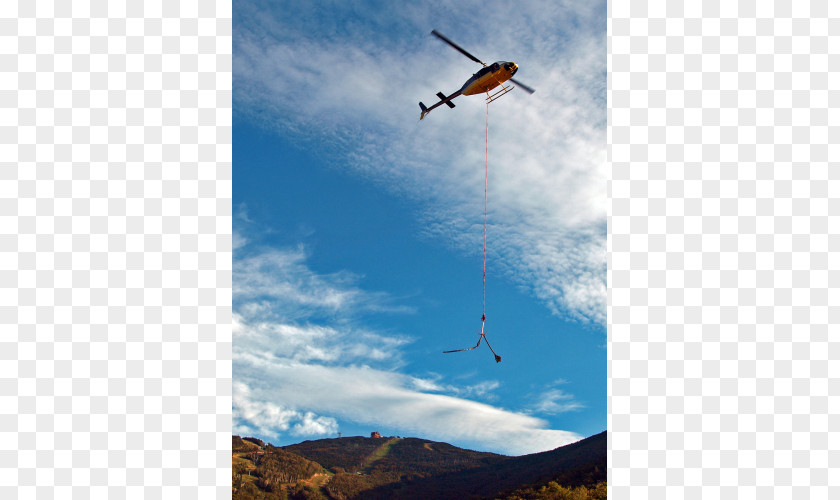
(414,468)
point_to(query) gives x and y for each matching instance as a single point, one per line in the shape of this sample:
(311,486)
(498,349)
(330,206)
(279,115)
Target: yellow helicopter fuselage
(489,77)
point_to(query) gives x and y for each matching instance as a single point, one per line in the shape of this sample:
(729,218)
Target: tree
(249,491)
(239,469)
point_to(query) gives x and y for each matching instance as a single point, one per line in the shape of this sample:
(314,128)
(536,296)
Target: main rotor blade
(524,87)
(456,47)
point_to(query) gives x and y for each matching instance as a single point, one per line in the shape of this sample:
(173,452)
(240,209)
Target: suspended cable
(482,333)
(484,265)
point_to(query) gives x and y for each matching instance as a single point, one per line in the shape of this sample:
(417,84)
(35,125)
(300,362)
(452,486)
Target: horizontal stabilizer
(443,98)
(422,107)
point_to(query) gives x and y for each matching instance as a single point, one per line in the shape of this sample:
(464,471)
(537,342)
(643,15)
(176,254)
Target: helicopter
(486,79)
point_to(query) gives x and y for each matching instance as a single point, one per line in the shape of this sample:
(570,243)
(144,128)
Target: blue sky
(358,229)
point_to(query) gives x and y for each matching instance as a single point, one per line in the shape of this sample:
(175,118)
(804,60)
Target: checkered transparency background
(724,246)
(115,249)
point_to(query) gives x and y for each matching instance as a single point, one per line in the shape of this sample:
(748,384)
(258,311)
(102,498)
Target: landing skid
(499,93)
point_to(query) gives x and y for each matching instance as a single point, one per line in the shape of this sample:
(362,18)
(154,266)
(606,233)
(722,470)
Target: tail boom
(443,100)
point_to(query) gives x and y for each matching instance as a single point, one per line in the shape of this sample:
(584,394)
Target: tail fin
(423,110)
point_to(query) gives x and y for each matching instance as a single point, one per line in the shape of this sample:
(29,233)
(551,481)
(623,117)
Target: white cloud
(239,241)
(313,343)
(280,274)
(553,400)
(269,419)
(300,378)
(556,401)
(241,214)
(313,425)
(384,398)
(480,390)
(278,279)
(548,156)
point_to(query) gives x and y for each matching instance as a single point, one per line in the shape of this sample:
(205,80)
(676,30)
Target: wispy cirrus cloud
(301,373)
(276,338)
(556,401)
(279,280)
(481,390)
(548,156)
(553,400)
